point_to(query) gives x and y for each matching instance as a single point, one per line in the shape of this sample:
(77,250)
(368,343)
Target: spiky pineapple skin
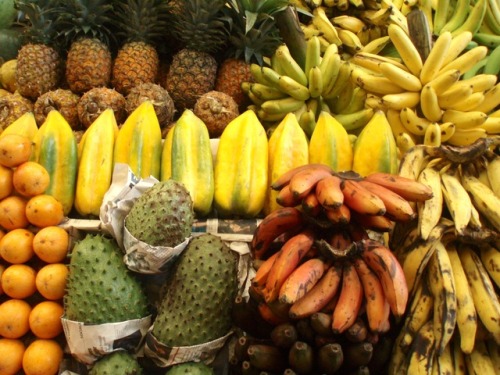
(191,74)
(100,288)
(13,106)
(136,63)
(197,304)
(163,215)
(88,65)
(38,70)
(117,363)
(231,74)
(93,102)
(63,100)
(216,109)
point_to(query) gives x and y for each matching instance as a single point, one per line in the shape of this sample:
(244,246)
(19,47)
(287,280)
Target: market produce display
(249,187)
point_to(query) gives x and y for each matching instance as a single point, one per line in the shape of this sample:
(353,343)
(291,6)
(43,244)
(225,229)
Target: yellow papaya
(190,160)
(288,148)
(95,164)
(166,155)
(241,167)
(138,143)
(24,125)
(375,147)
(55,148)
(330,144)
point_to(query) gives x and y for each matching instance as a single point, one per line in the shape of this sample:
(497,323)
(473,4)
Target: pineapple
(98,99)
(201,31)
(254,34)
(62,100)
(13,106)
(87,31)
(39,67)
(142,23)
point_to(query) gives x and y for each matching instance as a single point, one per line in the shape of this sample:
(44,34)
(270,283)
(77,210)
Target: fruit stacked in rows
(33,272)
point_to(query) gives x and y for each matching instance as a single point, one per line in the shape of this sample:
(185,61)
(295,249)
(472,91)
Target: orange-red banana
(377,223)
(397,208)
(262,272)
(409,189)
(288,259)
(310,204)
(319,296)
(339,215)
(377,308)
(385,264)
(286,198)
(329,192)
(350,300)
(285,178)
(302,280)
(305,181)
(274,225)
(269,315)
(359,199)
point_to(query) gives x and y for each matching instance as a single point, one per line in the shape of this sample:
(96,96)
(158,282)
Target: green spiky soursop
(190,368)
(196,306)
(119,362)
(100,288)
(163,215)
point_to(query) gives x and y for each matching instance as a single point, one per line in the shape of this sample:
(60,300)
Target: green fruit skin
(11,42)
(117,363)
(191,368)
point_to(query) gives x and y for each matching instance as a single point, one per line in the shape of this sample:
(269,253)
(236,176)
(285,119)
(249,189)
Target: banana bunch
(482,19)
(331,198)
(453,314)
(427,101)
(321,85)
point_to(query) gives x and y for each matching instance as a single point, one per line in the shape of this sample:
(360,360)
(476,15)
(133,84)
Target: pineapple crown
(252,28)
(199,24)
(141,20)
(38,23)
(85,19)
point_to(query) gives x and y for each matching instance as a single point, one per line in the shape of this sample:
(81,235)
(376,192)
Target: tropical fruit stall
(249,187)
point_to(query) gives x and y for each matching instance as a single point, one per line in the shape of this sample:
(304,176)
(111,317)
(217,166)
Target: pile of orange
(33,267)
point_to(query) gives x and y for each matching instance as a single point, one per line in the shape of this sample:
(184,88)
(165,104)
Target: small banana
(406,48)
(293,88)
(356,102)
(290,67)
(349,39)
(474,18)
(432,136)
(460,13)
(458,44)
(467,60)
(372,61)
(493,172)
(404,142)
(457,200)
(429,104)
(443,81)
(341,81)
(354,120)
(421,353)
(468,104)
(376,45)
(401,100)
(412,122)
(435,59)
(491,100)
(479,361)
(284,105)
(330,67)
(313,55)
(376,84)
(315,82)
(483,198)
(453,94)
(464,119)
(265,92)
(400,77)
(351,23)
(480,82)
(447,131)
(322,22)
(465,137)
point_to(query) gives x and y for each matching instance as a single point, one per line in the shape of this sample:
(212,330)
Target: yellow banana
(479,361)
(347,22)
(341,81)
(421,354)
(330,67)
(453,94)
(401,100)
(270,77)
(474,18)
(307,121)
(404,142)
(315,82)
(310,30)
(429,104)
(469,103)
(376,45)
(466,311)
(465,137)
(464,119)
(457,200)
(354,120)
(429,211)
(322,22)
(356,103)
(483,198)
(432,136)
(491,100)
(434,60)
(290,67)
(349,39)
(480,82)
(372,61)
(343,98)
(467,60)
(313,54)
(264,92)
(444,80)
(447,130)
(406,48)
(284,105)
(457,46)
(293,88)
(493,172)
(400,77)
(491,261)
(374,83)
(412,122)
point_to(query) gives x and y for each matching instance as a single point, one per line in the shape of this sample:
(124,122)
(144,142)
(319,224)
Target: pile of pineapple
(81,57)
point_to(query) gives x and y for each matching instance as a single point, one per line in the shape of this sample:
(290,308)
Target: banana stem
(333,253)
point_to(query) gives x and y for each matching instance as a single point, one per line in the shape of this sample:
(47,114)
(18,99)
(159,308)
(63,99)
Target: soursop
(197,302)
(190,368)
(100,288)
(163,215)
(119,362)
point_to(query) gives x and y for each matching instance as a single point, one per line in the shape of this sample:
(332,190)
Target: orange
(51,244)
(44,210)
(11,356)
(50,280)
(6,184)
(2,268)
(14,318)
(16,246)
(45,319)
(13,212)
(30,179)
(18,281)
(42,357)
(15,149)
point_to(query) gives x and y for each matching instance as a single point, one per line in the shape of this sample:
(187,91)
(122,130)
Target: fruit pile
(33,272)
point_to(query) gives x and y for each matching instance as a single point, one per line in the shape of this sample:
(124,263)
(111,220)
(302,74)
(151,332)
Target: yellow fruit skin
(330,144)
(95,164)
(138,143)
(375,148)
(288,148)
(54,147)
(24,125)
(241,167)
(187,158)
